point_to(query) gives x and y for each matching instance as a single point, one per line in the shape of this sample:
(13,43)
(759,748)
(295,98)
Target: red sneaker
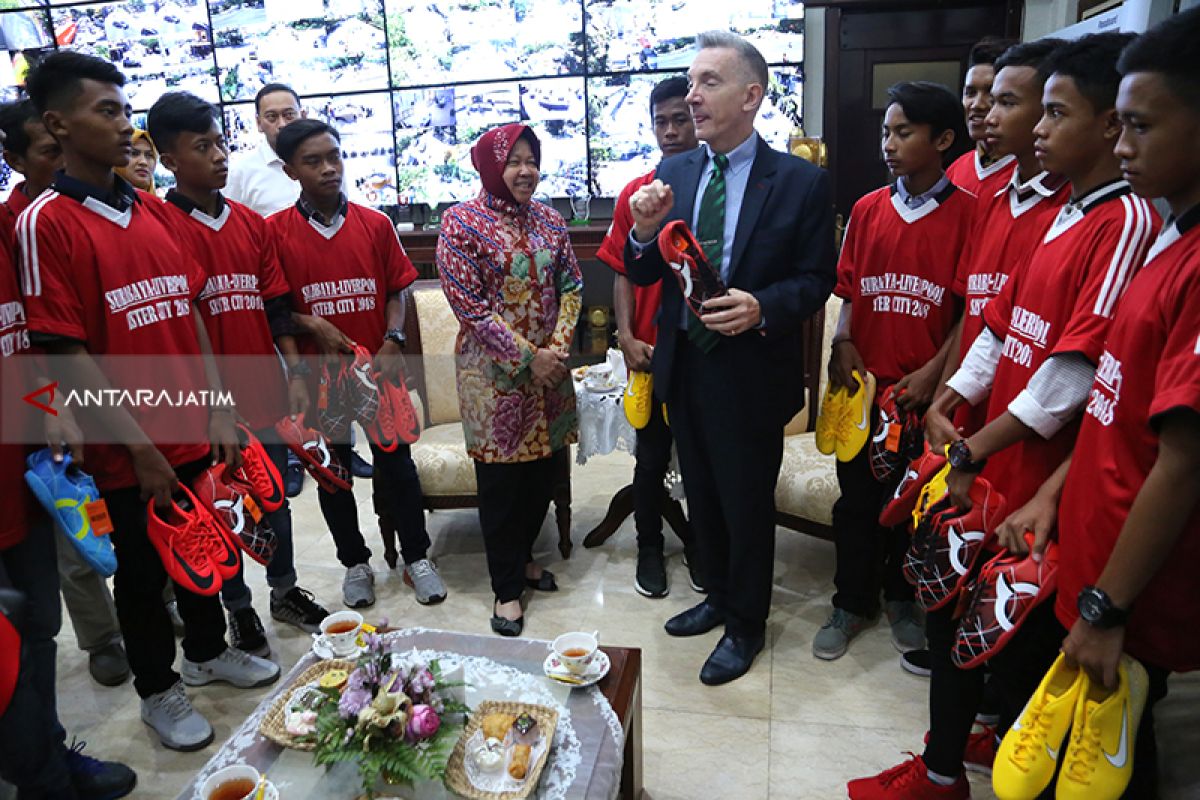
(907,781)
(942,554)
(898,437)
(179,535)
(1007,589)
(900,508)
(232,505)
(357,386)
(332,411)
(259,472)
(697,279)
(314,453)
(981,750)
(396,421)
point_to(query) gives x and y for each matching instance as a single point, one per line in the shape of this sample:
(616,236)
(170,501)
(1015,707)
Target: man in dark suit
(732,381)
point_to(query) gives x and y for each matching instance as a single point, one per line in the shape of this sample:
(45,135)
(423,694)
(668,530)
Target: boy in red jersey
(246,307)
(103,276)
(346,269)
(34,757)
(1037,357)
(637,309)
(895,273)
(983,169)
(1129,518)
(30,150)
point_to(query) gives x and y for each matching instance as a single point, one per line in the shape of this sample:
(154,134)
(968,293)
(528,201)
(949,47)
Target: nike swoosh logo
(862,424)
(1050,751)
(200,581)
(1118,760)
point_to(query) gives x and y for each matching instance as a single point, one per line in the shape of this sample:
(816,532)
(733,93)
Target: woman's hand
(549,368)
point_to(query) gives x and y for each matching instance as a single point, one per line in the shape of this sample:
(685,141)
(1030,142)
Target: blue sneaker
(64,491)
(96,779)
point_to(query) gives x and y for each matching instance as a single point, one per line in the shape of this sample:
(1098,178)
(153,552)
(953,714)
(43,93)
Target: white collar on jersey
(1075,210)
(217,222)
(983,172)
(121,218)
(911,215)
(1043,186)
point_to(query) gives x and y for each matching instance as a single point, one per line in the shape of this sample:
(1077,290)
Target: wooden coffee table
(622,687)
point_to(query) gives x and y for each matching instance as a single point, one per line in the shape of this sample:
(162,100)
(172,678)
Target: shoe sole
(181,748)
(644,592)
(830,655)
(314,628)
(360,604)
(189,680)
(432,601)
(110,681)
(920,672)
(903,648)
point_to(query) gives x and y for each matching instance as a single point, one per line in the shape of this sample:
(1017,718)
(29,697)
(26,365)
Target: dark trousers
(397,472)
(869,556)
(653,458)
(729,453)
(138,589)
(32,749)
(513,500)
(281,570)
(955,696)
(1020,666)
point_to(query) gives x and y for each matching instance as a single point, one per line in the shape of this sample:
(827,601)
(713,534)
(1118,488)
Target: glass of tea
(575,650)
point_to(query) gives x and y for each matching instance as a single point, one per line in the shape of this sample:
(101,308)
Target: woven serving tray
(272,726)
(456,772)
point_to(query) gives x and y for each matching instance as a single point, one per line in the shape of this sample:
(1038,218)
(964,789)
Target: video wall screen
(411,84)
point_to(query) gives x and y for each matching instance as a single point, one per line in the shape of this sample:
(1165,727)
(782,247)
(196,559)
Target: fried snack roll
(518,765)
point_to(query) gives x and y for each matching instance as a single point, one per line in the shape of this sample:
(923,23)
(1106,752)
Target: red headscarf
(490,154)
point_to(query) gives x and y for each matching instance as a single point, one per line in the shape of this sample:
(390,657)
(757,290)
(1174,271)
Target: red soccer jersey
(9,211)
(343,272)
(647,299)
(238,254)
(896,268)
(1009,224)
(14,340)
(1150,366)
(1062,301)
(969,172)
(117,281)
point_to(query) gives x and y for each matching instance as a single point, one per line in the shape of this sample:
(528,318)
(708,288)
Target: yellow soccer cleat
(829,420)
(1028,755)
(855,429)
(931,493)
(1099,759)
(639,399)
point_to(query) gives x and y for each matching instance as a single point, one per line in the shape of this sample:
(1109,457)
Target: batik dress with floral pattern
(512,280)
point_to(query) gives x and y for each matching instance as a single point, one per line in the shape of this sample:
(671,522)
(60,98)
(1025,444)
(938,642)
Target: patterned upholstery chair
(808,487)
(446,471)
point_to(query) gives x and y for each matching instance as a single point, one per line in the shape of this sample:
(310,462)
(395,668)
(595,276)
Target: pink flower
(508,424)
(421,681)
(424,722)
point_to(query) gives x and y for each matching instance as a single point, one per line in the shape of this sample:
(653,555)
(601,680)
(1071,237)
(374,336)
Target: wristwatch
(1096,609)
(300,369)
(396,335)
(959,456)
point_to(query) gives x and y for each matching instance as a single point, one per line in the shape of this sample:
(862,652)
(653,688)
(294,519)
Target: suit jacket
(782,254)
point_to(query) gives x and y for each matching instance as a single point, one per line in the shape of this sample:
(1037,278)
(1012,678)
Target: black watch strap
(396,335)
(1096,609)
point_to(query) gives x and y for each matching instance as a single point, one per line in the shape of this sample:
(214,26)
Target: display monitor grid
(411,84)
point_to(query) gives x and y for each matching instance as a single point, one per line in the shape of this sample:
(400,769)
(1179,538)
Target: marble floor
(794,727)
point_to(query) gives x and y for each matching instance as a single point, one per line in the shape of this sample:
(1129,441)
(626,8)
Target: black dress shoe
(545,583)
(507,627)
(700,618)
(731,659)
(293,482)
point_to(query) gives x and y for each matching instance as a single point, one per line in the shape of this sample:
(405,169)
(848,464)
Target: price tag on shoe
(97,514)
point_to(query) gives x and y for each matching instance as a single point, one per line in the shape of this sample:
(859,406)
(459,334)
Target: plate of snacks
(502,751)
(292,718)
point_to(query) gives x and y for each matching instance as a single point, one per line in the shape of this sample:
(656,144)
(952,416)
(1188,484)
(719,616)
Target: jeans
(653,458)
(281,570)
(138,589)
(32,740)
(513,500)
(396,471)
(955,695)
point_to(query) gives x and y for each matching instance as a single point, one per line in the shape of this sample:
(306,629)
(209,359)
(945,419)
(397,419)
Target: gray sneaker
(834,637)
(423,577)
(908,625)
(358,587)
(179,726)
(233,666)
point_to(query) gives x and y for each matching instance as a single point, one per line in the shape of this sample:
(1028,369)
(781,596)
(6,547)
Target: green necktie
(710,231)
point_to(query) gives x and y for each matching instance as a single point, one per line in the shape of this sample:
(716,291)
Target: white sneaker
(179,726)
(358,587)
(234,667)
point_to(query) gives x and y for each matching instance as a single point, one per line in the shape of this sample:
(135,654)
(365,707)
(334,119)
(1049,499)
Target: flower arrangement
(392,717)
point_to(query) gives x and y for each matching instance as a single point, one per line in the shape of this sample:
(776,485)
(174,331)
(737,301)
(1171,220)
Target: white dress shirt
(257,180)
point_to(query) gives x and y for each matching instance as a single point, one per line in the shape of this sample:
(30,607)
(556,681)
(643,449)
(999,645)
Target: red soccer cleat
(180,536)
(259,472)
(898,438)
(942,553)
(356,385)
(396,423)
(900,508)
(333,414)
(232,506)
(698,281)
(907,781)
(314,453)
(1007,589)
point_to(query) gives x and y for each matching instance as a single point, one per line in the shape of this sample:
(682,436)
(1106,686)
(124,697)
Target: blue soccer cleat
(65,491)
